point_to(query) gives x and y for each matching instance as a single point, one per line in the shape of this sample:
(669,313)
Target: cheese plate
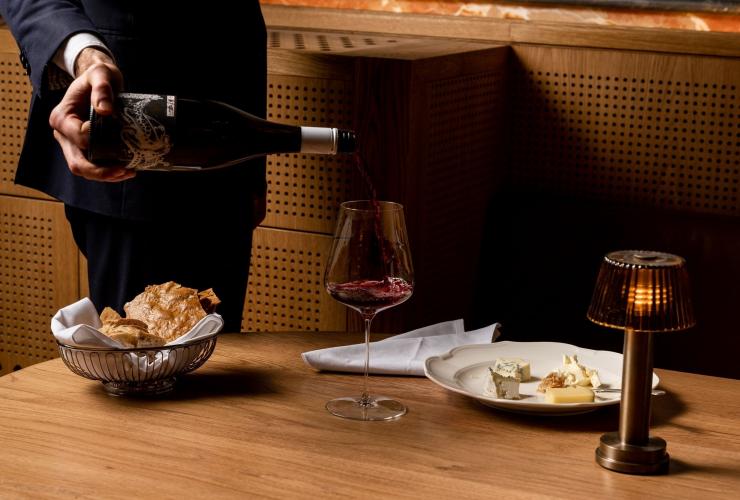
(464,370)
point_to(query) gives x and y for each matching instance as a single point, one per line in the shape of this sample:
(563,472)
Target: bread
(169,310)
(158,315)
(208,300)
(131,333)
(109,315)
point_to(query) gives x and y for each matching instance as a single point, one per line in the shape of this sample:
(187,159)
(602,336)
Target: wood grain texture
(38,270)
(504,30)
(429,114)
(252,422)
(638,129)
(286,284)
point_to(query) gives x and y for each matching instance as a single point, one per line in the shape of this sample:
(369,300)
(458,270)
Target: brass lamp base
(615,455)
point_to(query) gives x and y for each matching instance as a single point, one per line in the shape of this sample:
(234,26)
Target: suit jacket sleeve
(39,28)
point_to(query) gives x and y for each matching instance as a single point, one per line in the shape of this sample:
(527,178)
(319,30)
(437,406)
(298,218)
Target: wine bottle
(164,132)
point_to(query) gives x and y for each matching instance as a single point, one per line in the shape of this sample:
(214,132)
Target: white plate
(465,369)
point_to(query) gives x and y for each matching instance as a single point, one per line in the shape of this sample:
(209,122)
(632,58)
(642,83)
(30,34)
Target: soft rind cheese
(578,375)
(573,394)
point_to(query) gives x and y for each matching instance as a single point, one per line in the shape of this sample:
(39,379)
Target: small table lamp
(640,292)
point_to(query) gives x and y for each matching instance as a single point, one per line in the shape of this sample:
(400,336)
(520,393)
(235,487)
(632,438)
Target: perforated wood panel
(286,290)
(15,97)
(313,41)
(463,167)
(38,269)
(633,128)
(304,191)
(428,114)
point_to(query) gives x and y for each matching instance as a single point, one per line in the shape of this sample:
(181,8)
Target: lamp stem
(632,450)
(637,377)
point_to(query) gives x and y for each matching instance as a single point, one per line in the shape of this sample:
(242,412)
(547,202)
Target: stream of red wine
(389,284)
(383,243)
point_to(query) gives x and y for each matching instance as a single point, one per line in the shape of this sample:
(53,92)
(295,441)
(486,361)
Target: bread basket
(136,371)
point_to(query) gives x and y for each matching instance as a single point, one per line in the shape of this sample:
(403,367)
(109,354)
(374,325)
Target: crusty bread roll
(108,315)
(209,300)
(160,314)
(169,310)
(131,333)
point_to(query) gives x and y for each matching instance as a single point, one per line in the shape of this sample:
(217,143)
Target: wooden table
(252,422)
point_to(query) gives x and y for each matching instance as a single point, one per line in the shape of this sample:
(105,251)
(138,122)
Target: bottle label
(146,124)
(171,106)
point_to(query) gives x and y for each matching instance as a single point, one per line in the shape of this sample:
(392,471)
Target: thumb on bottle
(101,90)
(104,105)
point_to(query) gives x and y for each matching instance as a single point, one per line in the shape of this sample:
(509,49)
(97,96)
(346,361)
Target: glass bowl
(135,371)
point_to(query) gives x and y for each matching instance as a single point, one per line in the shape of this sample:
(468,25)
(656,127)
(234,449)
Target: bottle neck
(325,140)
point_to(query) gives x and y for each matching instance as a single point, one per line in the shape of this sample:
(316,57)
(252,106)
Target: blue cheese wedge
(504,386)
(506,366)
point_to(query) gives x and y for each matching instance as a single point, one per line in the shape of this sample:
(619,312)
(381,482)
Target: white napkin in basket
(77,325)
(402,354)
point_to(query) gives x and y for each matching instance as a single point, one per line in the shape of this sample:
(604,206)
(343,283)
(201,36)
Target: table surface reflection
(252,422)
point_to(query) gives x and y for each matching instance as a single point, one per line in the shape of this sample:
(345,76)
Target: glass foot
(373,408)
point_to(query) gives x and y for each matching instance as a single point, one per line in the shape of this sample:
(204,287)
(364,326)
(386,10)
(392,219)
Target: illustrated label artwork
(146,129)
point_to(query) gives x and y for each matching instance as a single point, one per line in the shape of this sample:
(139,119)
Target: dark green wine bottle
(164,132)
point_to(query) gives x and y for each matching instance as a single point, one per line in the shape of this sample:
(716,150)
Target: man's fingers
(103,81)
(69,119)
(84,141)
(79,165)
(71,127)
(69,115)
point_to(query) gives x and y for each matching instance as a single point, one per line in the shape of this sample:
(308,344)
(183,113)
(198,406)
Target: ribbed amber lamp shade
(647,291)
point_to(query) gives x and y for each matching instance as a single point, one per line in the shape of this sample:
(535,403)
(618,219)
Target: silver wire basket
(138,371)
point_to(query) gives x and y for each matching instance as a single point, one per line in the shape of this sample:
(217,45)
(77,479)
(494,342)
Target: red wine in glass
(371,296)
(369,270)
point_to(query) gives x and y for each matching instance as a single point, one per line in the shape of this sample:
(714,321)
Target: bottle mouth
(346,141)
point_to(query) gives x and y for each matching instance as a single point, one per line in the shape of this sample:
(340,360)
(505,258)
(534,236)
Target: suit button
(24,62)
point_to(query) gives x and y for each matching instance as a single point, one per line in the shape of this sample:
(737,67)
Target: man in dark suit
(138,229)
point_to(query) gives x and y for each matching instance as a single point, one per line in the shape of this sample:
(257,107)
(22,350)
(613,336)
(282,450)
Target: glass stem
(365,399)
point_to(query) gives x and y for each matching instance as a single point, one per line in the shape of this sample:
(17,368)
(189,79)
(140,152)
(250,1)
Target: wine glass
(369,270)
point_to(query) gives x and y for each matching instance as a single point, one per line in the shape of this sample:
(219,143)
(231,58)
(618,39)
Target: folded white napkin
(402,354)
(77,325)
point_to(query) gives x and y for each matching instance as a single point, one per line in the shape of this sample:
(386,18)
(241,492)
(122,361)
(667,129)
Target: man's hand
(96,79)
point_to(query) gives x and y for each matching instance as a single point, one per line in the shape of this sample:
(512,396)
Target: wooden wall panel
(305,190)
(286,284)
(502,31)
(430,118)
(38,270)
(638,129)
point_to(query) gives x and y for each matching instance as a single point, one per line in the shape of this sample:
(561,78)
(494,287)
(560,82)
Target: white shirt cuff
(67,53)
